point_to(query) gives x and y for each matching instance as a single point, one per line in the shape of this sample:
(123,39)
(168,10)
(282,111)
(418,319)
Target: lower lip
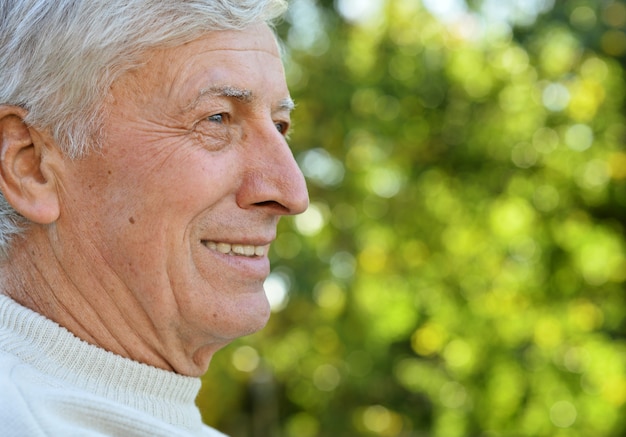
(253,267)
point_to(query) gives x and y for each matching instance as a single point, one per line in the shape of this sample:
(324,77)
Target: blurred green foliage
(462,267)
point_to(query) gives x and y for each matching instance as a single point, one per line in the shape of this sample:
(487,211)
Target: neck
(94,308)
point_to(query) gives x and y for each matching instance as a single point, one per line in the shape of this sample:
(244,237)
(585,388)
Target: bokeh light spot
(326,377)
(579,137)
(563,414)
(311,221)
(583,17)
(614,14)
(320,167)
(428,339)
(330,296)
(385,182)
(614,42)
(555,97)
(245,358)
(342,265)
(453,395)
(277,287)
(302,425)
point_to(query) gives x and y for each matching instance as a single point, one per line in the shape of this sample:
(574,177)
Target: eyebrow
(239,94)
(286,104)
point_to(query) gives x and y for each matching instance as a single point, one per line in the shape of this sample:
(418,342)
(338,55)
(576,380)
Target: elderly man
(143,171)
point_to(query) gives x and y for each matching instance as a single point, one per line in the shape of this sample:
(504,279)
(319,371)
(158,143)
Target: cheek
(183,182)
(145,206)
(154,219)
(221,312)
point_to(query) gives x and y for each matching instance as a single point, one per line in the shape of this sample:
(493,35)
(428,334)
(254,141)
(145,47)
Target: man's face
(178,211)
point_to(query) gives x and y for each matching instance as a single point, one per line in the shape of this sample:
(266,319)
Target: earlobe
(26,177)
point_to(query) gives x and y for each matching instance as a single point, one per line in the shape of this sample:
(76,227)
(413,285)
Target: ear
(27,167)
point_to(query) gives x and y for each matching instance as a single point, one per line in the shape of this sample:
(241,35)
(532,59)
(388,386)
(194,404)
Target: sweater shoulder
(34,405)
(16,414)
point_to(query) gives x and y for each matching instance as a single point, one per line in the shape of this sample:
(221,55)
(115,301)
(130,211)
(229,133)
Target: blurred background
(462,268)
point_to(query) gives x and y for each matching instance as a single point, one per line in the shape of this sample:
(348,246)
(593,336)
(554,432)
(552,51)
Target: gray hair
(58,59)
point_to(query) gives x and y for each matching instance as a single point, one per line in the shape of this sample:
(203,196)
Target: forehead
(233,59)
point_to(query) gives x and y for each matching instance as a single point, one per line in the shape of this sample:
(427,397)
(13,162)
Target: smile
(236,249)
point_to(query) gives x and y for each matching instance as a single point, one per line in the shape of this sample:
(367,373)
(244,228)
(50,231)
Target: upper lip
(250,241)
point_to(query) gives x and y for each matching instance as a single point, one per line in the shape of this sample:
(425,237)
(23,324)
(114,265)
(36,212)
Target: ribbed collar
(56,352)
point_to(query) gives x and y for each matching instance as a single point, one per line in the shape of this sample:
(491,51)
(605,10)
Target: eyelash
(281,127)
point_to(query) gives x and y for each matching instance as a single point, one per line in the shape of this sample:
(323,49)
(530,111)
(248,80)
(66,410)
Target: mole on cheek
(131,220)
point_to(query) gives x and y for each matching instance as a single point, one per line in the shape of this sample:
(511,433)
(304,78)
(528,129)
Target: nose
(272,179)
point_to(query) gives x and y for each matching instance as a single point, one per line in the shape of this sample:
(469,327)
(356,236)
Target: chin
(246,316)
(259,317)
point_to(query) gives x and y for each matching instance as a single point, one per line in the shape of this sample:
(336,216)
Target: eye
(282,127)
(217,118)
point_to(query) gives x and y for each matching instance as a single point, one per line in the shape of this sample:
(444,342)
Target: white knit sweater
(54,384)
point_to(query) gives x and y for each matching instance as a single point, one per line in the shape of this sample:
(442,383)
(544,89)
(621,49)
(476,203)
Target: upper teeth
(236,249)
